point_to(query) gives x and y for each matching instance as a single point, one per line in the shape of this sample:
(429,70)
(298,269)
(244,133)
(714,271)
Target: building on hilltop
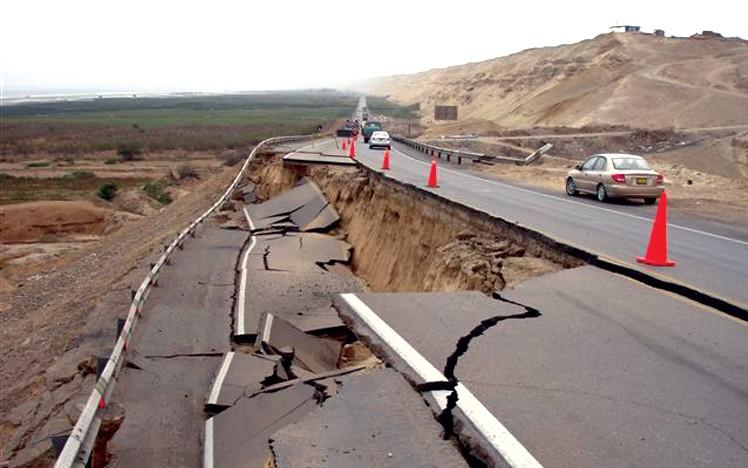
(627,28)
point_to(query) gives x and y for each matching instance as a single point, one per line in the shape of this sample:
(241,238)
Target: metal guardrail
(80,442)
(450,153)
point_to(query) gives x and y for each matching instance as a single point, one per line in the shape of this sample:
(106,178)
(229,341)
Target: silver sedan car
(379,138)
(615,176)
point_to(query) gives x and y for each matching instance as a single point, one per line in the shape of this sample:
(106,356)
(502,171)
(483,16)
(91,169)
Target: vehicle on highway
(369,128)
(381,139)
(615,176)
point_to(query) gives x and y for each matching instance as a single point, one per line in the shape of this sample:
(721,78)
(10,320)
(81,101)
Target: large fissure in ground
(408,240)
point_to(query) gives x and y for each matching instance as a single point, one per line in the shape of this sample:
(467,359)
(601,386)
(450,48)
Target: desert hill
(632,79)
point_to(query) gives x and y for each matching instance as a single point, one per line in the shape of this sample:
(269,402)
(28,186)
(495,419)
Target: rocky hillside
(637,80)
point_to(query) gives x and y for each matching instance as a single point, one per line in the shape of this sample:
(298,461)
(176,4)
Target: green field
(382,105)
(193,123)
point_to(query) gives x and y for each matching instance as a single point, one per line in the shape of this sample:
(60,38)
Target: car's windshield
(630,163)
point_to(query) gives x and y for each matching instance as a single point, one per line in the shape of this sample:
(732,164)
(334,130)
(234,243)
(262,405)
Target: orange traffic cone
(386,160)
(352,150)
(432,175)
(657,249)
(344,147)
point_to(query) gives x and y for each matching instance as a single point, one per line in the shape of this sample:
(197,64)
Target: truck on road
(369,128)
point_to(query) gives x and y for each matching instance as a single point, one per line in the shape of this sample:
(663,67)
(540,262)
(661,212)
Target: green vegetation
(156,191)
(107,191)
(190,123)
(38,164)
(382,105)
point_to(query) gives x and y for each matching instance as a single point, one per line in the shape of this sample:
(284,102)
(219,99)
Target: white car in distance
(379,138)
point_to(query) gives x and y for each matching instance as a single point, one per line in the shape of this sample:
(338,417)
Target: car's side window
(600,164)
(587,166)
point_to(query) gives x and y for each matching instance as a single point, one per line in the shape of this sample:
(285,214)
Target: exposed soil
(54,221)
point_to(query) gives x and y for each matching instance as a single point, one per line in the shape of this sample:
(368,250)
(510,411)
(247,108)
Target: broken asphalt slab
(318,158)
(304,205)
(376,419)
(239,374)
(302,251)
(294,286)
(609,371)
(310,352)
(238,436)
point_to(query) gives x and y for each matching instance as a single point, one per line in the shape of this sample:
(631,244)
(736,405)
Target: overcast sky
(216,45)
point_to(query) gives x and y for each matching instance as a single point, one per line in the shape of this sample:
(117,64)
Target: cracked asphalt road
(184,330)
(596,380)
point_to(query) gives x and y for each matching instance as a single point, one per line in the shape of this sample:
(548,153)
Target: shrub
(129,150)
(107,191)
(231,158)
(38,164)
(156,191)
(75,175)
(111,161)
(186,171)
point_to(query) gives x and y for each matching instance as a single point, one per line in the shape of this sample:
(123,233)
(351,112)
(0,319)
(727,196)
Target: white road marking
(243,278)
(208,451)
(508,447)
(266,329)
(573,202)
(216,390)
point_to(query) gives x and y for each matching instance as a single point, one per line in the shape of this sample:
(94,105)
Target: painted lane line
(218,383)
(573,202)
(208,452)
(495,433)
(243,277)
(266,329)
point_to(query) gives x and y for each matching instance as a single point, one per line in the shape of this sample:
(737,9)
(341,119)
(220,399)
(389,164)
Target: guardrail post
(120,326)
(58,442)
(100,365)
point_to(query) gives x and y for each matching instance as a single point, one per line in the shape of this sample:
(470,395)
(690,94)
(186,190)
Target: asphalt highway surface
(710,262)
(649,379)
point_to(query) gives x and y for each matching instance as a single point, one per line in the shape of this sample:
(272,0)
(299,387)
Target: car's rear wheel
(650,200)
(571,187)
(602,194)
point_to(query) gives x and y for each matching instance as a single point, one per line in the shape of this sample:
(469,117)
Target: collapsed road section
(296,366)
